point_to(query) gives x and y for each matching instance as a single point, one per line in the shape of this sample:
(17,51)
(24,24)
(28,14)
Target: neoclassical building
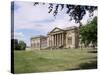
(63,38)
(57,38)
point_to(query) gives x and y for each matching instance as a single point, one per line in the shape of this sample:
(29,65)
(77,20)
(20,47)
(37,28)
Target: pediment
(56,30)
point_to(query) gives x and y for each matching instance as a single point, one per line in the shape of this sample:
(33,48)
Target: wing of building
(39,42)
(57,38)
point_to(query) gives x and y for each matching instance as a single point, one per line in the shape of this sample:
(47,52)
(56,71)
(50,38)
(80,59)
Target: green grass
(54,60)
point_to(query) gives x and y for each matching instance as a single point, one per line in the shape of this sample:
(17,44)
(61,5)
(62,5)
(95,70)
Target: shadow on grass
(95,58)
(89,65)
(92,51)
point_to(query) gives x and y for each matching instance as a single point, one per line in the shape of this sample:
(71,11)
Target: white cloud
(28,16)
(21,36)
(18,35)
(28,13)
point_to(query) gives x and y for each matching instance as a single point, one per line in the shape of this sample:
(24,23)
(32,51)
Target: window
(70,40)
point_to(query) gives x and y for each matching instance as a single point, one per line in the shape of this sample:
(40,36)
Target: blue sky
(32,20)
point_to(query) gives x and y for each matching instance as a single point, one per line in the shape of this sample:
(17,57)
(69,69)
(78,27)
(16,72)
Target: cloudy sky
(32,20)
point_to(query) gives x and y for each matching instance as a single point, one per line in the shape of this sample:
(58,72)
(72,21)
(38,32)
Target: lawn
(54,60)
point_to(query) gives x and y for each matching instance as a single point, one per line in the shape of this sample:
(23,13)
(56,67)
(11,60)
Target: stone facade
(57,38)
(39,42)
(63,38)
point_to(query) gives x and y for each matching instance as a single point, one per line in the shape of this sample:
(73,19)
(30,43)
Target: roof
(64,29)
(39,36)
(70,28)
(56,28)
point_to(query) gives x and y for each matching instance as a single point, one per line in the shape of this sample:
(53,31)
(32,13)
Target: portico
(62,38)
(56,40)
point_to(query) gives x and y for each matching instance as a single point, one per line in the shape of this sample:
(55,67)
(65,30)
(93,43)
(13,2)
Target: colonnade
(56,40)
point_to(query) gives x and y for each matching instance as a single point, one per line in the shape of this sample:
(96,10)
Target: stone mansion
(57,38)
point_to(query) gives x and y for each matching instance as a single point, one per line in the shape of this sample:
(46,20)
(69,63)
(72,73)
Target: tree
(89,33)
(76,12)
(22,45)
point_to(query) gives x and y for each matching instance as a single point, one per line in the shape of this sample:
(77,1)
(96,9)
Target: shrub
(22,45)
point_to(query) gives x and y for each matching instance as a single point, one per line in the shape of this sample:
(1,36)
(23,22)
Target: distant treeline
(18,45)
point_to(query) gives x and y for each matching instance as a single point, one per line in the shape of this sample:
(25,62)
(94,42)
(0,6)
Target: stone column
(56,39)
(49,41)
(52,40)
(62,39)
(59,40)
